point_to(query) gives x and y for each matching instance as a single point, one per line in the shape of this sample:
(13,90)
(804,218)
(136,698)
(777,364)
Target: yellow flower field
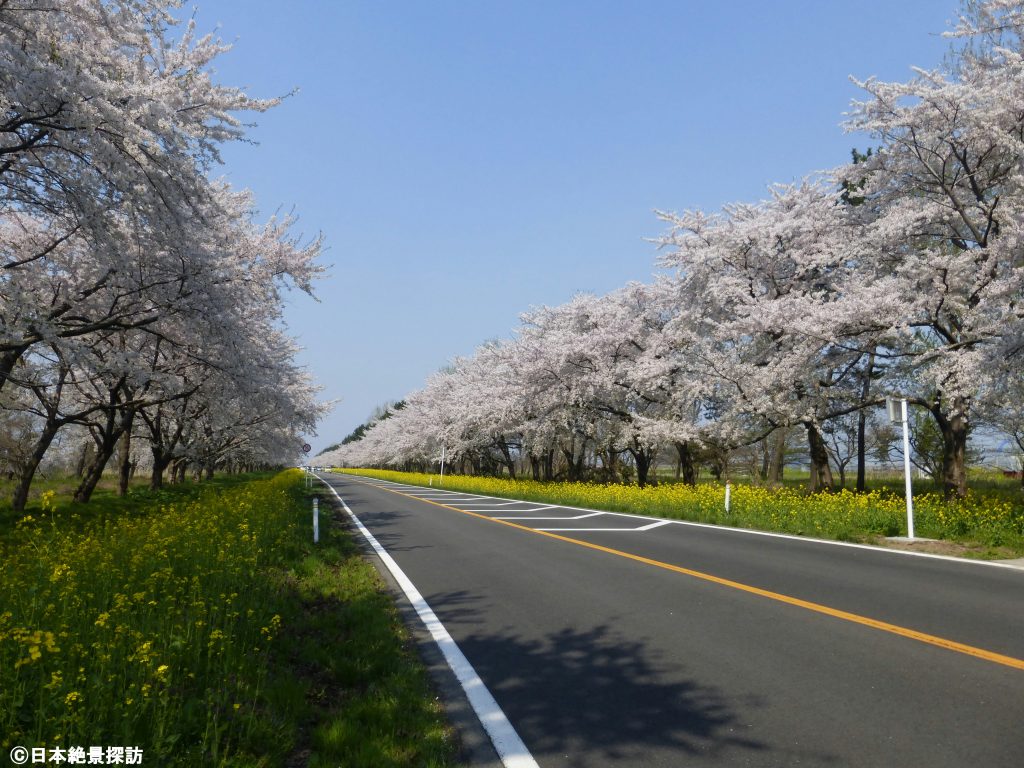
(117,632)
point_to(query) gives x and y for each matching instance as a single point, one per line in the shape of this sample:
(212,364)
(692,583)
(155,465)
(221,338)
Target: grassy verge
(991,524)
(204,627)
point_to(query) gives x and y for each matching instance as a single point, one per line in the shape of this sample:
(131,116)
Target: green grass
(201,624)
(366,691)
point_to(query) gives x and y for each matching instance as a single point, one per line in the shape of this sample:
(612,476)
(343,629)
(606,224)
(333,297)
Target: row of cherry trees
(900,273)
(139,296)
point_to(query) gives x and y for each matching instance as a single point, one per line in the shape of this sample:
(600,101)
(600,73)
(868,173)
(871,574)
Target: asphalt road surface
(613,640)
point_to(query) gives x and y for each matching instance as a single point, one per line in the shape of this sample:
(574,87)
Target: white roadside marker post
(898,415)
(728,488)
(906,470)
(316,521)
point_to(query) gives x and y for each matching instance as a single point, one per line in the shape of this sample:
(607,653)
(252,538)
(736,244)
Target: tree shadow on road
(392,542)
(585,697)
(590,693)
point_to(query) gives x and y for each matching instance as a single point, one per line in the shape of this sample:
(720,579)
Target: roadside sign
(306,448)
(895,409)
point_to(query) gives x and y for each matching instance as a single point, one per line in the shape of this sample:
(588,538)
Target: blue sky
(470,160)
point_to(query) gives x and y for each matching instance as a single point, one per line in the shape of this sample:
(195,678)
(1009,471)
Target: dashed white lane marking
(609,530)
(506,740)
(443,491)
(578,517)
(970,563)
(502,503)
(498,504)
(491,509)
(448,495)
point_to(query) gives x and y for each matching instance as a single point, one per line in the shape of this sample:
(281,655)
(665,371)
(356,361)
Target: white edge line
(769,534)
(509,746)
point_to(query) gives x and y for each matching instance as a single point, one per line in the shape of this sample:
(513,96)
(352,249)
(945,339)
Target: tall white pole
(441,479)
(906,470)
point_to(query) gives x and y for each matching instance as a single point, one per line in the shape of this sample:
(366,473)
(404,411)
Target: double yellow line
(940,642)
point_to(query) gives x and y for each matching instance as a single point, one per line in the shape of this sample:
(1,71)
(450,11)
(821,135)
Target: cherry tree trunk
(124,455)
(28,470)
(507,456)
(644,459)
(778,461)
(610,465)
(83,459)
(92,476)
(642,467)
(161,460)
(821,473)
(686,465)
(549,464)
(955,430)
(109,434)
(574,467)
(862,420)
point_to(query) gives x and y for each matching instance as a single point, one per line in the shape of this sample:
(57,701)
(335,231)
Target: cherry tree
(585,379)
(129,280)
(767,296)
(945,201)
(108,130)
(601,367)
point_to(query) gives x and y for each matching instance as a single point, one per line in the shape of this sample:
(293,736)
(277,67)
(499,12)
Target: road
(612,640)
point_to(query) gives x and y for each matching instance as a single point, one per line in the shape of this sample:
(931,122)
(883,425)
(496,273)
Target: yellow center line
(941,642)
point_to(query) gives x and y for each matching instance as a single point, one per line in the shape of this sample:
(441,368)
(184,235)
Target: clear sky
(470,160)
